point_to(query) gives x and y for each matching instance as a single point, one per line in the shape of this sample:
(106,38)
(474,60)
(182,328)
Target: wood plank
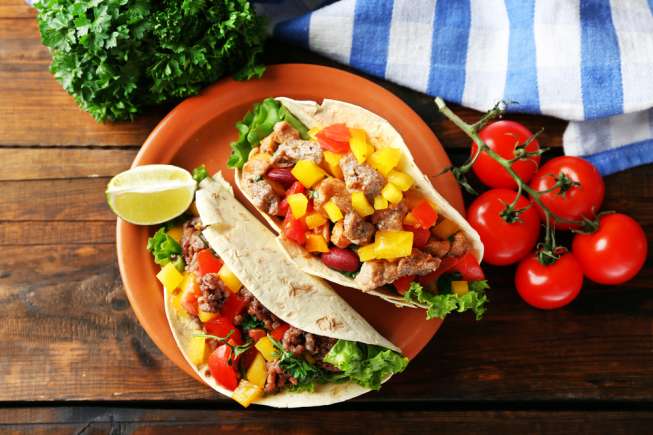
(16,9)
(56,233)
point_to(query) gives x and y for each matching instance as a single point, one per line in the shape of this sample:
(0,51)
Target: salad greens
(116,57)
(445,301)
(165,249)
(306,374)
(251,322)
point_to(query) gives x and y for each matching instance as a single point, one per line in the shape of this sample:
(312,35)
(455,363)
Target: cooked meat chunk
(356,229)
(332,188)
(267,144)
(259,189)
(284,132)
(191,239)
(276,378)
(297,342)
(376,273)
(288,153)
(213,293)
(257,310)
(459,245)
(390,219)
(437,248)
(338,237)
(361,176)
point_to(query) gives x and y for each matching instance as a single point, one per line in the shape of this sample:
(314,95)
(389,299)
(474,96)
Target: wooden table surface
(74,357)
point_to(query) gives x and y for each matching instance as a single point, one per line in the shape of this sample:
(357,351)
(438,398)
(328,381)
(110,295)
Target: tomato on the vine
(549,286)
(503,137)
(574,201)
(505,242)
(615,252)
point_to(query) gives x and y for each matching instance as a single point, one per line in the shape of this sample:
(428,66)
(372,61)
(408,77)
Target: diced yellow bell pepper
(206,316)
(445,229)
(393,244)
(267,349)
(359,145)
(392,193)
(246,393)
(176,303)
(229,279)
(197,349)
(316,243)
(308,172)
(459,287)
(380,203)
(361,204)
(400,179)
(410,220)
(312,133)
(332,211)
(256,372)
(176,232)
(367,252)
(170,277)
(333,163)
(314,220)
(385,160)
(298,204)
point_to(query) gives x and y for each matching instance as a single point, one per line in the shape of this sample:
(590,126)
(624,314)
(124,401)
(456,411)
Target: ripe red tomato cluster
(612,254)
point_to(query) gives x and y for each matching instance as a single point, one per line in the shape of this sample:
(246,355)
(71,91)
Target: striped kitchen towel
(587,61)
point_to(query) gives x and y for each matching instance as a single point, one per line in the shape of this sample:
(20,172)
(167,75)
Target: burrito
(250,323)
(341,188)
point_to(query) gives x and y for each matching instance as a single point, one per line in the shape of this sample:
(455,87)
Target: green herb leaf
(306,374)
(444,302)
(200,173)
(251,322)
(165,249)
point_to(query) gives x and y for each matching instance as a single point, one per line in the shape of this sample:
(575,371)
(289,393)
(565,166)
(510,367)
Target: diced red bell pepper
(224,373)
(420,236)
(425,214)
(447,264)
(469,268)
(332,145)
(296,187)
(403,283)
(337,132)
(189,302)
(278,332)
(256,334)
(221,326)
(233,305)
(295,229)
(207,262)
(283,208)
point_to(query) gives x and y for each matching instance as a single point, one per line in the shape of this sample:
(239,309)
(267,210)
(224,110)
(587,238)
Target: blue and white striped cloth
(587,61)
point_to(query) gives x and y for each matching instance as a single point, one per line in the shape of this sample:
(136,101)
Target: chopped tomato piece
(247,358)
(295,229)
(337,132)
(224,373)
(278,332)
(296,187)
(425,214)
(189,302)
(332,145)
(207,262)
(283,207)
(447,264)
(469,268)
(420,236)
(220,326)
(233,305)
(256,334)
(403,283)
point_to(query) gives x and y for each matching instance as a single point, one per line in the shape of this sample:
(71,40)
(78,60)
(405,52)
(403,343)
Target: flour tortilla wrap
(382,135)
(249,250)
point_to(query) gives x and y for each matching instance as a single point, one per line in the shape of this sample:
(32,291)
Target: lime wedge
(151,194)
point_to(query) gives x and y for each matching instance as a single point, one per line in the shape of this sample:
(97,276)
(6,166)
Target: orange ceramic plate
(200,129)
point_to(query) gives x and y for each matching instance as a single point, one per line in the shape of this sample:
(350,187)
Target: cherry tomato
(207,262)
(505,243)
(615,252)
(420,236)
(278,332)
(468,267)
(403,284)
(447,264)
(549,286)
(224,373)
(341,259)
(221,326)
(576,202)
(503,137)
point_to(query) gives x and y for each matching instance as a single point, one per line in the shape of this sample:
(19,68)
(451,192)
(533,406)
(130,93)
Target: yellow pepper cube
(400,179)
(308,172)
(411,220)
(445,229)
(206,316)
(246,393)
(332,211)
(298,204)
(312,133)
(175,232)
(367,252)
(380,203)
(316,243)
(197,349)
(392,193)
(170,277)
(267,349)
(314,220)
(393,244)
(360,204)
(385,160)
(359,145)
(459,287)
(333,163)
(229,279)
(256,372)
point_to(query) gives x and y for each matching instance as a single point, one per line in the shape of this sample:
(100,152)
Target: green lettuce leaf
(200,173)
(444,302)
(165,249)
(307,375)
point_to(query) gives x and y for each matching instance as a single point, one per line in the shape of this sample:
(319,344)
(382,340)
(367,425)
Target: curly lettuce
(445,301)
(165,249)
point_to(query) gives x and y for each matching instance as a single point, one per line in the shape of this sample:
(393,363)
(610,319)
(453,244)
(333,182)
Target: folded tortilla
(382,135)
(249,250)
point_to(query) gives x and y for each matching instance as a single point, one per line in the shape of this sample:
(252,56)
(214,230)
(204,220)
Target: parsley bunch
(116,57)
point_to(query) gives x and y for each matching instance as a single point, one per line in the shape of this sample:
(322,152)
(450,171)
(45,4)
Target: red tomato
(207,262)
(505,243)
(220,327)
(403,284)
(283,208)
(613,254)
(332,145)
(468,267)
(189,302)
(247,358)
(337,132)
(256,334)
(425,214)
(296,187)
(551,286)
(420,236)
(584,200)
(503,137)
(278,332)
(224,373)
(294,229)
(446,265)
(233,305)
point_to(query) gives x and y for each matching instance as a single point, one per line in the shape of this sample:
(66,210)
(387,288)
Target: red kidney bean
(282,176)
(341,259)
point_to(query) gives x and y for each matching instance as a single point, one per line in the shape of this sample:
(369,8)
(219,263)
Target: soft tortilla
(303,301)
(382,135)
